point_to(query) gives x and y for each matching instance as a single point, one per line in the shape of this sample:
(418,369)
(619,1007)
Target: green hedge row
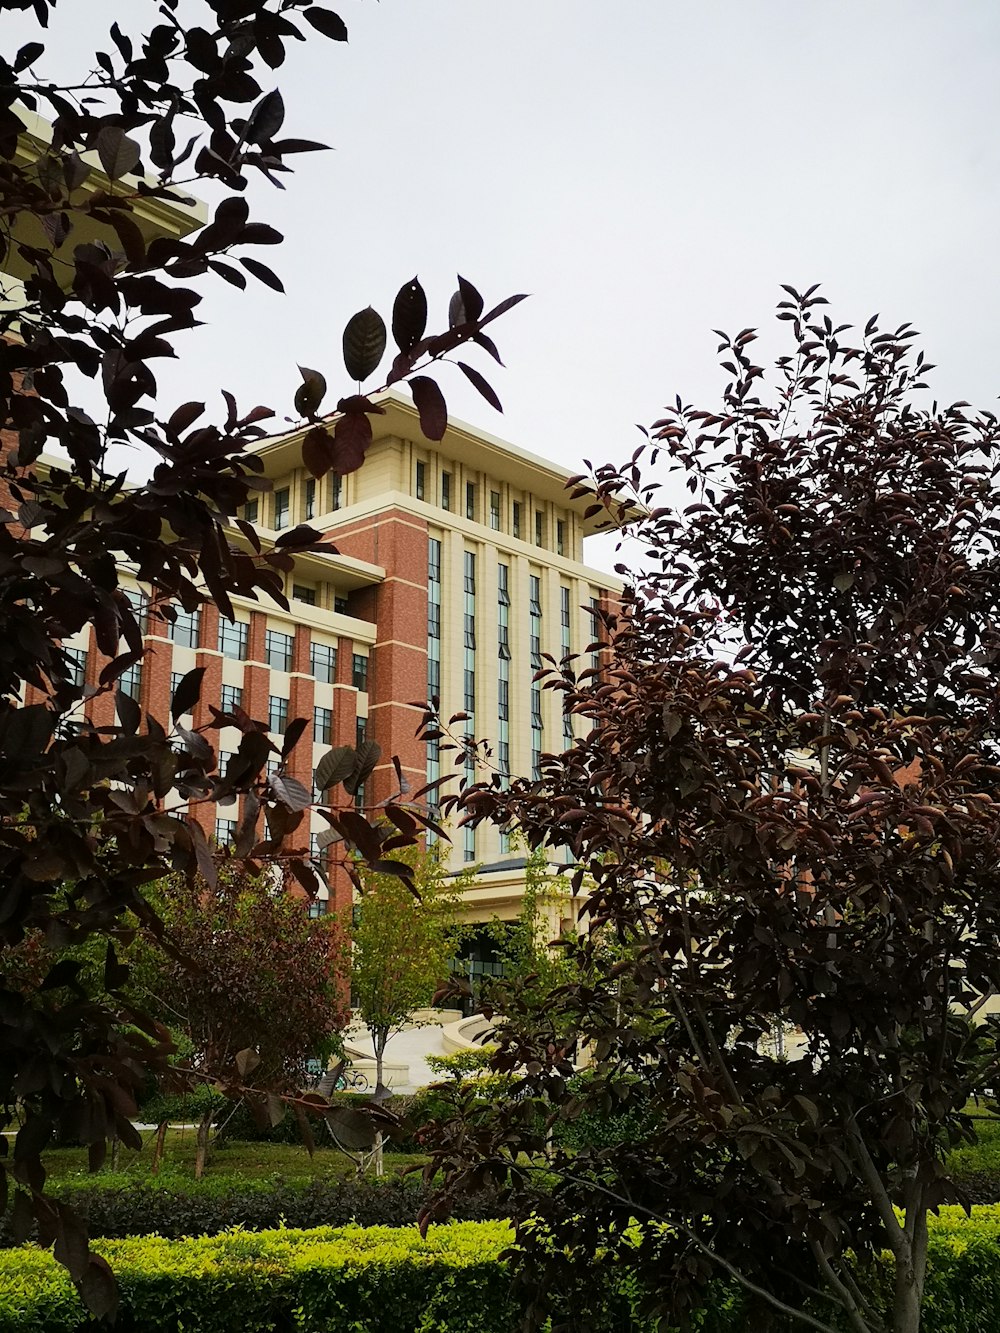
(138,1210)
(367,1280)
(267,1282)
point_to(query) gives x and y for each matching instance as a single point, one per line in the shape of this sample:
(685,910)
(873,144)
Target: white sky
(648,170)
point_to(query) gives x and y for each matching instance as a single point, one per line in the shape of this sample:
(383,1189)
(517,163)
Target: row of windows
(277,715)
(495,514)
(312,503)
(278,648)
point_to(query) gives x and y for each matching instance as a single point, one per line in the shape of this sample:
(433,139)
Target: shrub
(207,1209)
(181,1107)
(376,1278)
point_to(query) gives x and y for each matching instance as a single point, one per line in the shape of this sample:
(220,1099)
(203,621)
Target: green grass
(983,1157)
(229,1163)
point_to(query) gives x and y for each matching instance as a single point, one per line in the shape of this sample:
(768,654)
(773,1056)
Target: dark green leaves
(429,402)
(364,343)
(327,22)
(310,393)
(187,694)
(118,153)
(409,315)
(336,765)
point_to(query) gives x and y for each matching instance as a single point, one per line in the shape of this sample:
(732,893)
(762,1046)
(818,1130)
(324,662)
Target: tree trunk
(911,1271)
(378,1045)
(116,1152)
(161,1139)
(201,1151)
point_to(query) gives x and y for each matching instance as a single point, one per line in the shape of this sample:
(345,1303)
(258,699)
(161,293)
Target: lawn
(260,1162)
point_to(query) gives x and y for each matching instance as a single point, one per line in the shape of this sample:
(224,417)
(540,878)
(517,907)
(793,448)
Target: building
(457,565)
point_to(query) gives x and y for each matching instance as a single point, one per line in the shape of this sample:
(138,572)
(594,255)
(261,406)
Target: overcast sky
(648,170)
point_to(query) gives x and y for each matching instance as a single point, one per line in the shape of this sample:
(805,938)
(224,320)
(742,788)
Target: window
(277,713)
(469,691)
(503,642)
(273,765)
(534,595)
(517,518)
(323,726)
(564,606)
(310,498)
(445,490)
(359,672)
(560,537)
(495,510)
(433,676)
(469,849)
(232,697)
(503,700)
(233,639)
(421,480)
(433,620)
(360,730)
(470,499)
(130,681)
(278,650)
(224,758)
(470,572)
(434,560)
(303,594)
(281,508)
(76,665)
(251,510)
(340,606)
(186,627)
(470,631)
(225,831)
(539,528)
(318,906)
(337,492)
(503,584)
(536,709)
(323,662)
(139,604)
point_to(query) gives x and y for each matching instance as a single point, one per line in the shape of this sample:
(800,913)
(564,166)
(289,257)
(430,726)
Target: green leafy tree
(403,942)
(787,804)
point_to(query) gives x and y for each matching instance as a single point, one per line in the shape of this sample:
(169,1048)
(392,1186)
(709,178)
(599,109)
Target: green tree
(404,939)
(532,956)
(787,804)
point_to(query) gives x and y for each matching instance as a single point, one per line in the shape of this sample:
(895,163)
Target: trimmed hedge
(381,1278)
(137,1210)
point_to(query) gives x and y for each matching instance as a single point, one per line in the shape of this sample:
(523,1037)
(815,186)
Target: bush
(385,1278)
(181,1107)
(600,1128)
(207,1209)
(379,1278)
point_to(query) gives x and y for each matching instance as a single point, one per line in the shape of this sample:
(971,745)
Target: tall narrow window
(310,498)
(323,726)
(564,644)
(130,681)
(539,528)
(303,594)
(323,662)
(359,673)
(421,480)
(470,499)
(232,697)
(281,500)
(251,510)
(233,639)
(185,627)
(560,537)
(277,713)
(535,645)
(516,510)
(77,666)
(446,490)
(337,491)
(495,510)
(278,650)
